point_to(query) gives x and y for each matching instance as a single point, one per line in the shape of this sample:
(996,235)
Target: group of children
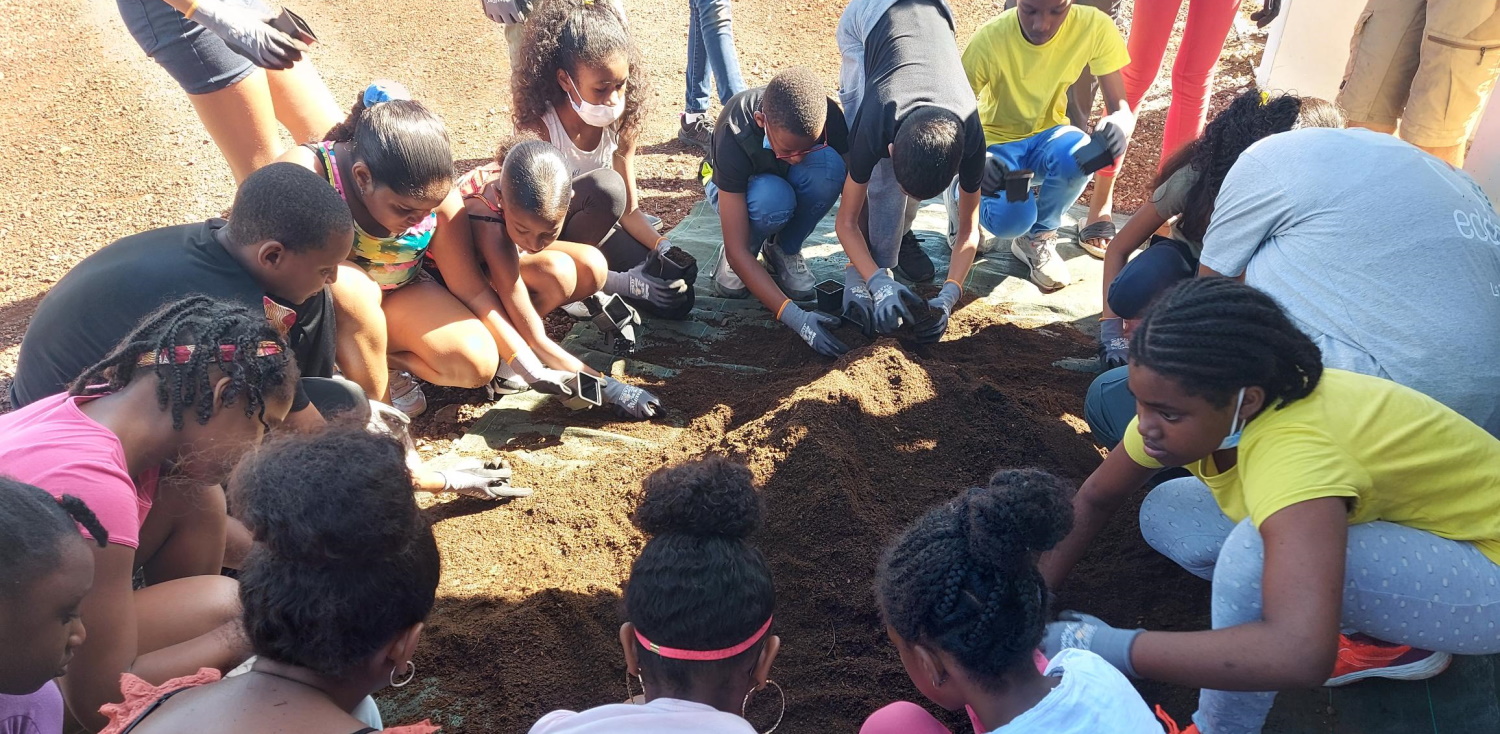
(1336,421)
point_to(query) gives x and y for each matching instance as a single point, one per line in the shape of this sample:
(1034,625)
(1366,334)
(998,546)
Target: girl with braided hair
(1320,501)
(143,437)
(699,606)
(1184,196)
(965,606)
(45,571)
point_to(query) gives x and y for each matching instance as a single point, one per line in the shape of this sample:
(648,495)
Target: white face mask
(1235,426)
(596,115)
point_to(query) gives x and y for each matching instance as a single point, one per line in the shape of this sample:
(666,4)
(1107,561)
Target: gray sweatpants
(1401,585)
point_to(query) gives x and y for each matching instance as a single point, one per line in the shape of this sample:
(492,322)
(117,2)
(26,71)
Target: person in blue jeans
(710,50)
(777,171)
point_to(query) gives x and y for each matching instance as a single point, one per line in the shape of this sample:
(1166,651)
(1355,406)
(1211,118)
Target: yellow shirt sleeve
(1135,446)
(976,58)
(1295,463)
(1110,55)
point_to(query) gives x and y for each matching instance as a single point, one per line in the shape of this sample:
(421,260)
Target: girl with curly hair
(580,87)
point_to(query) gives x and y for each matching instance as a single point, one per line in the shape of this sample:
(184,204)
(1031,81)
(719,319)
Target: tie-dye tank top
(389,261)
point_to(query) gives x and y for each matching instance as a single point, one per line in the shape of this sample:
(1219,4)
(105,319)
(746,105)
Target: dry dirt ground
(96,142)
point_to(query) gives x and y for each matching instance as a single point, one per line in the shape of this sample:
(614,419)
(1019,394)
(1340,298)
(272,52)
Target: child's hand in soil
(893,302)
(859,306)
(628,401)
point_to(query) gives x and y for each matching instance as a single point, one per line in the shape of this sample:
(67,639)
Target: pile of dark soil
(847,453)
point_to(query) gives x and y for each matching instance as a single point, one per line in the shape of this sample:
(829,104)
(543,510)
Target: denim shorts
(192,54)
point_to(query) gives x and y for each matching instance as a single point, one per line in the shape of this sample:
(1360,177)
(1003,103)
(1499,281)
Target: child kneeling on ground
(48,570)
(699,603)
(335,594)
(965,605)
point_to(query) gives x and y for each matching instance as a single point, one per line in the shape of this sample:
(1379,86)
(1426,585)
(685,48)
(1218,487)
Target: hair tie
(384,90)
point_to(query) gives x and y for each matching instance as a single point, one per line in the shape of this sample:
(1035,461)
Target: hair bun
(711,497)
(1022,511)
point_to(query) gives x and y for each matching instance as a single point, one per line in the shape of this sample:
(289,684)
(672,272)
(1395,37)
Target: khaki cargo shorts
(1428,64)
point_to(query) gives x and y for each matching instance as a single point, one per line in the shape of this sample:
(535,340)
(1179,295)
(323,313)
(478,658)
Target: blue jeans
(1109,406)
(711,46)
(1049,154)
(1148,274)
(790,208)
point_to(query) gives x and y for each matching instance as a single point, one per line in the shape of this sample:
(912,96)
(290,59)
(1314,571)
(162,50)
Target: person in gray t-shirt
(1386,256)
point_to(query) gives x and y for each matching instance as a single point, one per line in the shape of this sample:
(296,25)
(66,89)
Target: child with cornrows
(1320,502)
(143,437)
(335,595)
(581,88)
(965,606)
(518,208)
(698,605)
(47,571)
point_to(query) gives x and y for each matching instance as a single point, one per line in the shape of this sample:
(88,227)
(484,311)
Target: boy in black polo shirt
(777,170)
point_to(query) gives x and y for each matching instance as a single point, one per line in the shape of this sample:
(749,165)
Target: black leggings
(598,203)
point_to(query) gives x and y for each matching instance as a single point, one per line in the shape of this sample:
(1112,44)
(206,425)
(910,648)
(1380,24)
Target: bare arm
(634,221)
(1097,500)
(1296,641)
(453,249)
(734,218)
(1112,87)
(966,244)
(1135,233)
(846,226)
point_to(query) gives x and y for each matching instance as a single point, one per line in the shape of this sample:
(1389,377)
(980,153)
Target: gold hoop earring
(411,672)
(630,697)
(746,705)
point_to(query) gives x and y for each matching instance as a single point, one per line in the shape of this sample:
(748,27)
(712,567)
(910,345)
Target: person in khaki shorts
(1426,64)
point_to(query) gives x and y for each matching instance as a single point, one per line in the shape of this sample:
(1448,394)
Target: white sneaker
(726,283)
(406,394)
(789,271)
(1039,252)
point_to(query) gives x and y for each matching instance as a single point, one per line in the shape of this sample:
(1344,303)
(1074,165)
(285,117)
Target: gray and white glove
(628,401)
(893,302)
(663,294)
(943,305)
(249,34)
(1113,346)
(481,479)
(859,306)
(541,378)
(814,329)
(1077,631)
(504,11)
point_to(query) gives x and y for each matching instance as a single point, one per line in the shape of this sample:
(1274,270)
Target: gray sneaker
(726,283)
(699,132)
(789,271)
(1039,252)
(406,394)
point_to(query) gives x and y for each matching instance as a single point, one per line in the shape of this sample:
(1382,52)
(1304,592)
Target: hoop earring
(746,705)
(630,697)
(411,672)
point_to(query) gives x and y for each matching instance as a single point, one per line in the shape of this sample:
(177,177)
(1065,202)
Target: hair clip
(384,90)
(184,354)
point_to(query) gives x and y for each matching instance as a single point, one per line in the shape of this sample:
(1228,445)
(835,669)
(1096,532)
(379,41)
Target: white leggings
(1401,585)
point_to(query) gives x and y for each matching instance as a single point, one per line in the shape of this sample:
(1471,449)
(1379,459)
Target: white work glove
(504,11)
(1124,120)
(541,378)
(488,480)
(249,34)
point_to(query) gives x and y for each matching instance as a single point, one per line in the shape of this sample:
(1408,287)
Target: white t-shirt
(581,161)
(661,716)
(1092,698)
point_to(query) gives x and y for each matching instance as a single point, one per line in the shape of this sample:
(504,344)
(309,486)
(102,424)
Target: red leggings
(1208,24)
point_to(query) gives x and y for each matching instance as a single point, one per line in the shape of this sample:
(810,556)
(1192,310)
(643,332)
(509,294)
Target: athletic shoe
(406,394)
(653,220)
(726,283)
(911,261)
(1039,253)
(789,271)
(699,132)
(1362,657)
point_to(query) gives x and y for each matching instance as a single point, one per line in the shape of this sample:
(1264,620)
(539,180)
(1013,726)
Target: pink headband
(702,655)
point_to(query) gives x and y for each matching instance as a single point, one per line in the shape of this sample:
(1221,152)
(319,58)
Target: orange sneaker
(1362,656)
(1172,728)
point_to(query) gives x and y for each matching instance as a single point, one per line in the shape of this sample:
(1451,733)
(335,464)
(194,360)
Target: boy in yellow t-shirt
(1020,65)
(1320,500)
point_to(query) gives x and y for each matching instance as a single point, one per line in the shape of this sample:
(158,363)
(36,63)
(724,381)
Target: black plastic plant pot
(830,296)
(590,389)
(618,311)
(672,265)
(925,318)
(1017,185)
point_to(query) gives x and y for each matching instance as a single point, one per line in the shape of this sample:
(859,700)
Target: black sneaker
(913,263)
(700,132)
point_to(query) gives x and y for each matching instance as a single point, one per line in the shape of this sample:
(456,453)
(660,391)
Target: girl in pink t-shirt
(143,438)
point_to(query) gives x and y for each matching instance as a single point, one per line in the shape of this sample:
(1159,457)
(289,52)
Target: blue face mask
(1235,426)
(765,142)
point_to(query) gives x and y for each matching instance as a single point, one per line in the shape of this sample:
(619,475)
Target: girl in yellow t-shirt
(1320,501)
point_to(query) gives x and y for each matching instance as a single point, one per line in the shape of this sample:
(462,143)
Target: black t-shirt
(104,297)
(739,149)
(912,60)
